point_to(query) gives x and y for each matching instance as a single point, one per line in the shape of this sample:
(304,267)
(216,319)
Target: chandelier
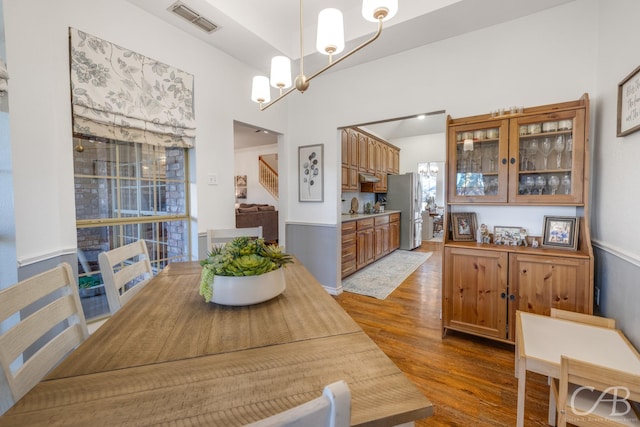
(330,41)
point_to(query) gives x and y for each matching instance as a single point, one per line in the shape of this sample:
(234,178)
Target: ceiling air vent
(192,16)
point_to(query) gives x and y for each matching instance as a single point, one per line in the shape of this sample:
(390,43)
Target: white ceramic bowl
(247,290)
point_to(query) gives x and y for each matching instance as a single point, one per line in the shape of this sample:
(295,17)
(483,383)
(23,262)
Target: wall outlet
(213,179)
(597,295)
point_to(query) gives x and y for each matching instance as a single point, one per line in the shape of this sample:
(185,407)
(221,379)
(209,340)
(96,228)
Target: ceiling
(253,31)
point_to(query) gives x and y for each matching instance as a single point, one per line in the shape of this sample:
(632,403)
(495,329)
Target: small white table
(542,340)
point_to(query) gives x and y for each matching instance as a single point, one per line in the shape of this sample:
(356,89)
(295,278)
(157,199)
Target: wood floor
(469,380)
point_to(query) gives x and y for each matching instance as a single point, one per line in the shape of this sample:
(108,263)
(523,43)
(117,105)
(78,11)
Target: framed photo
(311,173)
(628,104)
(560,232)
(241,186)
(463,226)
(503,235)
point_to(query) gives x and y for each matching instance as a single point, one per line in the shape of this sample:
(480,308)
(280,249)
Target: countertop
(354,217)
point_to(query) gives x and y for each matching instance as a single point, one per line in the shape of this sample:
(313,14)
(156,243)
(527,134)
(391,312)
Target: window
(124,192)
(431,175)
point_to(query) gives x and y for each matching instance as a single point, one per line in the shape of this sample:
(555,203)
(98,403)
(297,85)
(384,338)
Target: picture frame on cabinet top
(463,226)
(560,232)
(628,106)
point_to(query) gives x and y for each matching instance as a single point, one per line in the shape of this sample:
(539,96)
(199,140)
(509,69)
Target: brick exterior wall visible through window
(125,192)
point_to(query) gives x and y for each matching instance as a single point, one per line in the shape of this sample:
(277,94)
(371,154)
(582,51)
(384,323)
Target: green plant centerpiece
(240,257)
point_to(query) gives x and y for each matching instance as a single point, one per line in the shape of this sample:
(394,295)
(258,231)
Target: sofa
(254,215)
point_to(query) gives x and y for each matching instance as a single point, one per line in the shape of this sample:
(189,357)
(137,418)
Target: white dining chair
(223,235)
(41,322)
(125,271)
(332,409)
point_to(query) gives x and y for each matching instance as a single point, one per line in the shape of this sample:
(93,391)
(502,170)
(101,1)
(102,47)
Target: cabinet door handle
(512,297)
(513,160)
(504,161)
(503,295)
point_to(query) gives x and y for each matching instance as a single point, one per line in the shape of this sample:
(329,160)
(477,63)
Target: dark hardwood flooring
(469,380)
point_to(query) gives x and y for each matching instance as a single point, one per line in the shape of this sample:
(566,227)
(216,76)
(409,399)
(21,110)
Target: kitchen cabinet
(498,161)
(368,239)
(381,236)
(381,153)
(349,143)
(365,244)
(394,231)
(348,248)
(362,153)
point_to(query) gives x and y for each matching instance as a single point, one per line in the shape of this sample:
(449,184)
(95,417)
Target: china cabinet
(532,158)
(535,157)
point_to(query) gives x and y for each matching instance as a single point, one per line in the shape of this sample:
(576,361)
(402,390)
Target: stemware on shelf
(568,148)
(559,148)
(540,184)
(566,184)
(554,183)
(532,151)
(545,150)
(528,184)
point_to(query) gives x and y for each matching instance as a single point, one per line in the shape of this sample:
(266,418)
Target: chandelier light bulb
(330,38)
(260,91)
(280,72)
(372,9)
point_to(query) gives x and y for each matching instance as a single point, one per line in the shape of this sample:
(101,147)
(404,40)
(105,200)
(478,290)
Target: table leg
(552,405)
(522,382)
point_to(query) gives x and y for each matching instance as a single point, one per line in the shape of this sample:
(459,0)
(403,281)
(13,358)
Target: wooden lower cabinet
(475,297)
(348,248)
(484,288)
(367,240)
(381,236)
(365,244)
(394,231)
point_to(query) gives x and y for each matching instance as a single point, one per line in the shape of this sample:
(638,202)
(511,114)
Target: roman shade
(120,94)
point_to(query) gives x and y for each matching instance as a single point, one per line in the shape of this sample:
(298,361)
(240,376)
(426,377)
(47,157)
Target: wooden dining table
(169,358)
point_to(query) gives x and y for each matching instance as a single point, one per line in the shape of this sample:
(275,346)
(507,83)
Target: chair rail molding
(623,254)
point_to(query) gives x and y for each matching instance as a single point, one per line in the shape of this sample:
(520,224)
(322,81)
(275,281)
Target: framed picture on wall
(628,104)
(241,186)
(310,173)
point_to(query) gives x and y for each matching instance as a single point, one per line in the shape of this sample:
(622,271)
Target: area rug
(385,275)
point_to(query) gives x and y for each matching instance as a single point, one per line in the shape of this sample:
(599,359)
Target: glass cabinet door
(544,157)
(478,155)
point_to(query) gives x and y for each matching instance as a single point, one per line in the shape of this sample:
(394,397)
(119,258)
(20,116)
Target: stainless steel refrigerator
(404,193)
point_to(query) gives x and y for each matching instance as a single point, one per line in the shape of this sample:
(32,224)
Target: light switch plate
(213,179)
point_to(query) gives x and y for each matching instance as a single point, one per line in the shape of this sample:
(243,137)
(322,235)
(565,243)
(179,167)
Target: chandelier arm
(265,106)
(356,49)
(337,61)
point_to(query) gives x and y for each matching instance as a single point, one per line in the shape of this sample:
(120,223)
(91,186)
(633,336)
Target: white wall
(37,48)
(246,163)
(420,149)
(615,226)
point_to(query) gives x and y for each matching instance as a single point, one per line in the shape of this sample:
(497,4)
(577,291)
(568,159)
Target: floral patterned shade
(119,94)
